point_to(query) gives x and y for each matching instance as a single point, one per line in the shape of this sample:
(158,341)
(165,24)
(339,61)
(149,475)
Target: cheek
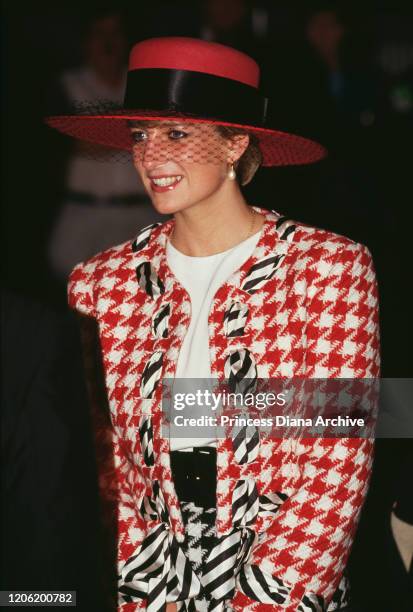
(211,151)
(137,162)
(137,158)
(206,177)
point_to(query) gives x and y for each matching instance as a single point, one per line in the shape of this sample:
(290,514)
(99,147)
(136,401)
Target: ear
(237,146)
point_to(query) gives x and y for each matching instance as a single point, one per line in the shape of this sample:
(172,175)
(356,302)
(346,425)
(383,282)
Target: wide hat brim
(112,129)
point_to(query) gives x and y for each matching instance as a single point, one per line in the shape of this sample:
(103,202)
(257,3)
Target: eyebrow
(151,124)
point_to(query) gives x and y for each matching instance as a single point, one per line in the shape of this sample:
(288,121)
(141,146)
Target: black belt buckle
(195,475)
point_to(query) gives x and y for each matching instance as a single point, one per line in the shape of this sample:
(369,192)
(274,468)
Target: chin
(165,206)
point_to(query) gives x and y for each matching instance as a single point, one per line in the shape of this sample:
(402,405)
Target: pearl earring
(231,173)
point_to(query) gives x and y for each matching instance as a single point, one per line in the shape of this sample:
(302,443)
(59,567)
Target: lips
(165,183)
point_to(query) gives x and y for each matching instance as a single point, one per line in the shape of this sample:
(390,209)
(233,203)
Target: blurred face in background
(224,15)
(106,44)
(182,164)
(325,32)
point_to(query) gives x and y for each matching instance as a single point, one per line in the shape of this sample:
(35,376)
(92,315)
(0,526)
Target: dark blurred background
(341,72)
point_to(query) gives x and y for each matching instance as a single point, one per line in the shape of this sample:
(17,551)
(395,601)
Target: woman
(227,291)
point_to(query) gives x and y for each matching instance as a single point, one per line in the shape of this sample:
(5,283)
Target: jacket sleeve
(121,523)
(306,548)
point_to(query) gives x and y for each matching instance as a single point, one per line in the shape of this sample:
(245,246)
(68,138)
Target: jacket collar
(276,236)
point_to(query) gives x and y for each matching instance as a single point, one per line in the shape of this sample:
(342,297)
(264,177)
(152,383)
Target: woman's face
(181,164)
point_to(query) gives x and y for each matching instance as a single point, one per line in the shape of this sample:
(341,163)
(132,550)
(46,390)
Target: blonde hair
(250,160)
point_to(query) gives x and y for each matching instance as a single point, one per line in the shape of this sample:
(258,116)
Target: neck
(215,225)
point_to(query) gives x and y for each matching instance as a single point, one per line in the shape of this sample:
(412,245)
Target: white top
(202,277)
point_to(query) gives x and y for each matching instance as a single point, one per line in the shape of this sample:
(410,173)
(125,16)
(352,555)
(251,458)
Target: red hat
(199,82)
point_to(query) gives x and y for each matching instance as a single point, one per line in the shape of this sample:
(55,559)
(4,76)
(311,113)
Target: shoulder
(318,254)
(323,249)
(318,242)
(333,264)
(87,276)
(307,239)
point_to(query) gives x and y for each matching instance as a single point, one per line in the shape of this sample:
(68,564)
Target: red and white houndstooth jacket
(305,305)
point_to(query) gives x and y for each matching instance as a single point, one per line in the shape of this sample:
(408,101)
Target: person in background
(50,536)
(102,200)
(227,22)
(346,59)
(400,539)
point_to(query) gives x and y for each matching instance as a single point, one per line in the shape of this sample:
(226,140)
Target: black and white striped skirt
(200,539)
(196,479)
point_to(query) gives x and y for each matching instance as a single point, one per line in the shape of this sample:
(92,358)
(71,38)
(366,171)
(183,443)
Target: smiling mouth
(166,181)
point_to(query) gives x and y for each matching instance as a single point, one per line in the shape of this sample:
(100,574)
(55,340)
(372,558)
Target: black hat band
(195,93)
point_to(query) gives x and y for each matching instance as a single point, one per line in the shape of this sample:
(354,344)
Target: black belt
(88,199)
(195,475)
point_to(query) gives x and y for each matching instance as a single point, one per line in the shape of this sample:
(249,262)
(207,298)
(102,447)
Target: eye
(139,135)
(177,134)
